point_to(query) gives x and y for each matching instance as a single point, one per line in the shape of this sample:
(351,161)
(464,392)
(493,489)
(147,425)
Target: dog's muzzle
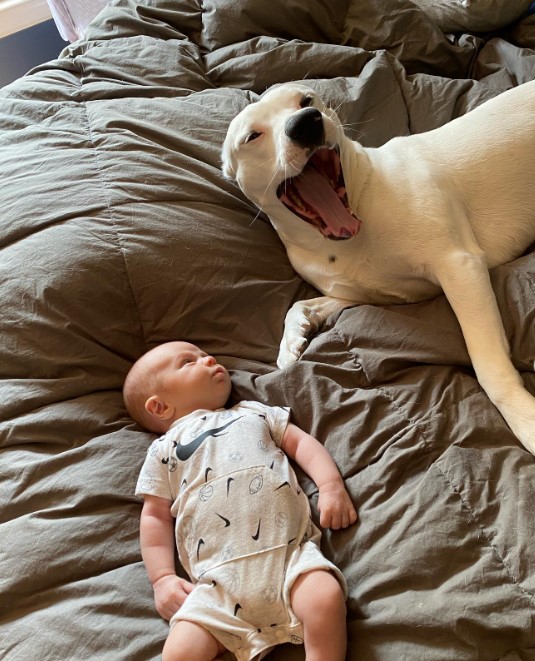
(305,128)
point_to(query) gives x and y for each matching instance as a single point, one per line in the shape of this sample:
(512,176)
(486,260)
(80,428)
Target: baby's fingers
(335,521)
(351,516)
(338,519)
(186,586)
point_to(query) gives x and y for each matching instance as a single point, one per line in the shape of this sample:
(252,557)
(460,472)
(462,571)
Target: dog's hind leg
(464,277)
(303,319)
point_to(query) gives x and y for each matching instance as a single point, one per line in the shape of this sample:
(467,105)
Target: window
(17,15)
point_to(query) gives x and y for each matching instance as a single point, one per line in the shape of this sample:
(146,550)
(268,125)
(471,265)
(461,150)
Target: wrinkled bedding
(119,232)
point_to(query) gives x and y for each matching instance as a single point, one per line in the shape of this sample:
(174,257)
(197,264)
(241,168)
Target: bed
(119,232)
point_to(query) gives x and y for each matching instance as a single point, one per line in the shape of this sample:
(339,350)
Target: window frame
(16,15)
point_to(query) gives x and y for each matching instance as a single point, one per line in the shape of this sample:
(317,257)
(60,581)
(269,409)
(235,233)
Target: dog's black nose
(305,128)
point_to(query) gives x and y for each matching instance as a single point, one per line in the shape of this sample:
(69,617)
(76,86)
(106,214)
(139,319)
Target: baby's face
(189,379)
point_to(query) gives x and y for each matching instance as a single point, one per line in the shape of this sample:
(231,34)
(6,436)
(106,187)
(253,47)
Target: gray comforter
(118,232)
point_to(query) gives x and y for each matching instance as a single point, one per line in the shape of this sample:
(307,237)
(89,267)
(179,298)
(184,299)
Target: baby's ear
(157,408)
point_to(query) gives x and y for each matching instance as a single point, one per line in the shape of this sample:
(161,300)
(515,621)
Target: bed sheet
(119,232)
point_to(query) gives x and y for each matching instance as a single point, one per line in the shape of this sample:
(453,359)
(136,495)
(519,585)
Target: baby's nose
(209,360)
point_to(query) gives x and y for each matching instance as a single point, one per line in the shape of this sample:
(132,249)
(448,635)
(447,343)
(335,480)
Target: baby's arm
(157,540)
(334,503)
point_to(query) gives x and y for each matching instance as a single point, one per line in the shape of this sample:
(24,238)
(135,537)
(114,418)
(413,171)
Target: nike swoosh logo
(184,452)
(257,534)
(224,519)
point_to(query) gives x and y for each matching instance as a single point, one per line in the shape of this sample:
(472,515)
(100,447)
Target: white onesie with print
(243,526)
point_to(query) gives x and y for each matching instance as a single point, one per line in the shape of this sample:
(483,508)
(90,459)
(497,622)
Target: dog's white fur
(438,210)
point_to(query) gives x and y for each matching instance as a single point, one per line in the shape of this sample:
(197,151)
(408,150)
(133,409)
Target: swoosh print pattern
(184,452)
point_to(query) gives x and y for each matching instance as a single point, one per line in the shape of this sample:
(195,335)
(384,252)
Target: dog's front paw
(297,326)
(290,351)
(517,406)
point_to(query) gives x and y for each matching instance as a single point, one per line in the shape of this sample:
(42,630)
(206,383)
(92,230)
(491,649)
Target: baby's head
(171,381)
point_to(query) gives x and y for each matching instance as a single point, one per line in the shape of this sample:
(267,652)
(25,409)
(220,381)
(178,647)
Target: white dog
(397,223)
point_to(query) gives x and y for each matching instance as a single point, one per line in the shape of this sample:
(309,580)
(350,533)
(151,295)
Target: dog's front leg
(303,319)
(464,277)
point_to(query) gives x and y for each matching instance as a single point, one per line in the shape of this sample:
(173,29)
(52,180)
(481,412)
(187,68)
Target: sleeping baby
(243,526)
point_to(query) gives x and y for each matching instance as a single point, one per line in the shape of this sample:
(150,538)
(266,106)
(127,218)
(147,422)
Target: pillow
(473,15)
(227,21)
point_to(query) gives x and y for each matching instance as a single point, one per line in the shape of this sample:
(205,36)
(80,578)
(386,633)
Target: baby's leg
(318,601)
(188,641)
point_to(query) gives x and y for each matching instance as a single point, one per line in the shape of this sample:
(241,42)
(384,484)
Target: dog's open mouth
(318,195)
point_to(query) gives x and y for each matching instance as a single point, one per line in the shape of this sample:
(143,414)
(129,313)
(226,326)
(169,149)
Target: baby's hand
(335,506)
(170,593)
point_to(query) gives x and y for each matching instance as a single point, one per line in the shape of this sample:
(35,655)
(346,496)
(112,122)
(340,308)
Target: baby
(243,527)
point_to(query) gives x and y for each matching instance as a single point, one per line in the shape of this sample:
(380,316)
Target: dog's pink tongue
(318,193)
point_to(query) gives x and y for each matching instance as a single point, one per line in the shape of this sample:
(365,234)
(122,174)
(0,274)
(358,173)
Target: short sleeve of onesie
(277,418)
(154,478)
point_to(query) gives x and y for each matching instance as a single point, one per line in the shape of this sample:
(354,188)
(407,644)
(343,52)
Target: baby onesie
(243,526)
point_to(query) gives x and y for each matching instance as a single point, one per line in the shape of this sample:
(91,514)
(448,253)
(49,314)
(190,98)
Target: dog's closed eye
(252,136)
(306,101)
